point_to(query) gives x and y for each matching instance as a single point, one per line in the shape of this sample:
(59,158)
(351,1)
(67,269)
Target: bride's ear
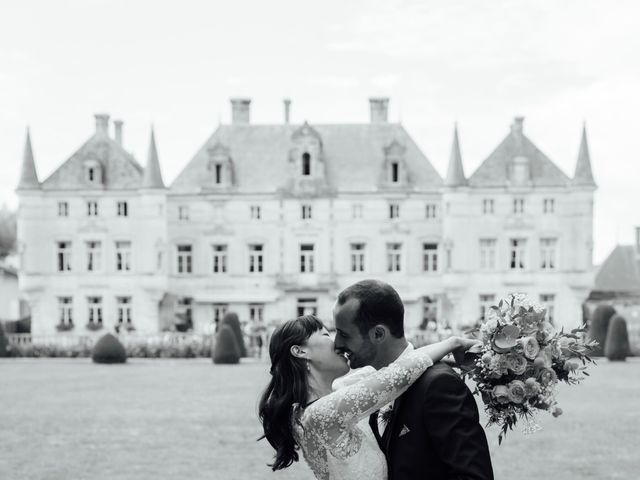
(297,351)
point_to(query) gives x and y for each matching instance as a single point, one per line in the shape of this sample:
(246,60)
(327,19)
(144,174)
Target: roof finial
(152,175)
(455,173)
(28,176)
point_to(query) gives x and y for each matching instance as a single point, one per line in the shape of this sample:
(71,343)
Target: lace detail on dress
(333,443)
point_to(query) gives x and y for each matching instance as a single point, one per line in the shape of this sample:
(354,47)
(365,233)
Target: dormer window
(394,171)
(93,172)
(306,164)
(220,166)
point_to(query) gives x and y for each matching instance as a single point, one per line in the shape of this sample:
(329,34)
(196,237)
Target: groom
(432,431)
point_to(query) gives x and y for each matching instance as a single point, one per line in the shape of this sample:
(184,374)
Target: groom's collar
(410,348)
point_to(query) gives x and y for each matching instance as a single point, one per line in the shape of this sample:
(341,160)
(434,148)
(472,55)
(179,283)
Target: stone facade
(272,221)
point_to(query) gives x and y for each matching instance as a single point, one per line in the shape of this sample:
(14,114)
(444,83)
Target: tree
(231,319)
(226,348)
(7,231)
(617,346)
(599,327)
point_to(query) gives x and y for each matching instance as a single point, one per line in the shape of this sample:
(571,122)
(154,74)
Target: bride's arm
(334,414)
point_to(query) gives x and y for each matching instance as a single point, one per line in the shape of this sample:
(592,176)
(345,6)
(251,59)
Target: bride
(299,409)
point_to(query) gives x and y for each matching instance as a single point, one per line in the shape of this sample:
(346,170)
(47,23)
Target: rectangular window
(123,209)
(486,301)
(255,212)
(431,211)
(256,313)
(549,205)
(218,173)
(184,313)
(488,253)
(123,310)
(95,310)
(94,256)
(307,306)
(307,258)
(219,258)
(429,257)
(306,212)
(518,206)
(64,256)
(357,257)
(63,209)
(184,260)
(219,311)
(394,210)
(395,172)
(123,256)
(256,258)
(183,212)
(517,254)
(548,252)
(548,300)
(449,257)
(92,208)
(356,211)
(65,310)
(394,257)
(487,206)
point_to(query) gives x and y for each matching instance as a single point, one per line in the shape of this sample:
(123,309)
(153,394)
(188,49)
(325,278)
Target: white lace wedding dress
(334,432)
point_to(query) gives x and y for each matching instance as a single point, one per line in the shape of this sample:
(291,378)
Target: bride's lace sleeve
(332,418)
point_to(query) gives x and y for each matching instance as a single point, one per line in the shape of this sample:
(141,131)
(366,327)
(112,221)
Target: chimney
(240,110)
(102,123)
(379,109)
(118,135)
(638,242)
(287,110)
(516,126)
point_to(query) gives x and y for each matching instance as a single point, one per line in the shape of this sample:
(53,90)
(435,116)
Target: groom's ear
(379,333)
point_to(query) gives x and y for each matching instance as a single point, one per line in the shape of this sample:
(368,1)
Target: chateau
(272,221)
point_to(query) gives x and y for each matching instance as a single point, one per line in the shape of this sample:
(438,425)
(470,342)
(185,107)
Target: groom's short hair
(379,303)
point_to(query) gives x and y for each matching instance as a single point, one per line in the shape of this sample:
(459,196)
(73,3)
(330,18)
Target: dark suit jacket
(434,432)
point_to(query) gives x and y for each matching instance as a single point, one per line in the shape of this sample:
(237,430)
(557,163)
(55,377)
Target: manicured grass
(69,419)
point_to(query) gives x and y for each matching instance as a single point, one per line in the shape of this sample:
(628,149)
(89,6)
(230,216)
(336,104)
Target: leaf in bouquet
(500,303)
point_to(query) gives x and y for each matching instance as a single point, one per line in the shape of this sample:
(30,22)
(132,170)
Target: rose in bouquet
(522,360)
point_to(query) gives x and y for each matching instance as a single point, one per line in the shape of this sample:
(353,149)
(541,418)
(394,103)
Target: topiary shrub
(109,350)
(4,343)
(599,327)
(226,350)
(617,346)
(231,319)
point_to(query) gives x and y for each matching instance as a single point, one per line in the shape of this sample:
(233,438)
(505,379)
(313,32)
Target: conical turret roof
(455,173)
(28,176)
(152,174)
(583,175)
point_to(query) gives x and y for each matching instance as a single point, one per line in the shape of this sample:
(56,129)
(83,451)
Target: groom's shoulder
(439,373)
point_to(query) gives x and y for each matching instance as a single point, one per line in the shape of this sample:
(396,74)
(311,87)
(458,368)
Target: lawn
(69,419)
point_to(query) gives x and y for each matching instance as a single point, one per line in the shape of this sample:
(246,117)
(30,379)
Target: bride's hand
(465,353)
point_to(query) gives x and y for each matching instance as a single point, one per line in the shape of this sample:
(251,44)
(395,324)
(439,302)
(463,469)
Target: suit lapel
(373,423)
(391,427)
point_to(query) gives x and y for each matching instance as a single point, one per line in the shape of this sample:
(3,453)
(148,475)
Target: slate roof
(152,177)
(121,170)
(620,272)
(494,171)
(353,154)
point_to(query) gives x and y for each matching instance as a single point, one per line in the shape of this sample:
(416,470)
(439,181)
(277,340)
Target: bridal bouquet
(522,360)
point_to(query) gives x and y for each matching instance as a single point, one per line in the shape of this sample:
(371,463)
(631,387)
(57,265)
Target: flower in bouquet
(530,347)
(531,387)
(516,391)
(501,394)
(516,363)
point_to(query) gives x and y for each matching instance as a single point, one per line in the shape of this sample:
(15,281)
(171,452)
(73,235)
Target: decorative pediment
(307,169)
(394,173)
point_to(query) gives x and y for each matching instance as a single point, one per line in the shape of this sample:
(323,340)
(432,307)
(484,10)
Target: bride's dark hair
(289,384)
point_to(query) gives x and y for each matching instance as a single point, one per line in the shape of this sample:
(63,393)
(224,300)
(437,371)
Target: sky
(176,65)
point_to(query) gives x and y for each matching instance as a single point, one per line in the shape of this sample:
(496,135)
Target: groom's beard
(364,356)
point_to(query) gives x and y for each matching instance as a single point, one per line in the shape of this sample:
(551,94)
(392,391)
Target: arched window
(306,164)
